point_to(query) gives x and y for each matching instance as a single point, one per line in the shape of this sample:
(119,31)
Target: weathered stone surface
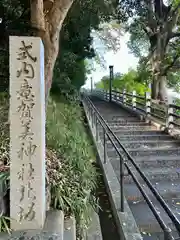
(31,235)
(94,232)
(27,133)
(70,228)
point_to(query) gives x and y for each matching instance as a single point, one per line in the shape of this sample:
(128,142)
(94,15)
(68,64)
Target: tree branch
(174,35)
(166,69)
(57,15)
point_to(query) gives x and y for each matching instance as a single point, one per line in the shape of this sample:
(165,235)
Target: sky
(122,61)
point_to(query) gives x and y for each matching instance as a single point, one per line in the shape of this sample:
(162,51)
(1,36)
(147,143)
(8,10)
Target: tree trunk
(47,18)
(155,88)
(159,88)
(163,89)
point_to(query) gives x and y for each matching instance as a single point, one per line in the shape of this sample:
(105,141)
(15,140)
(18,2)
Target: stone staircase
(157,154)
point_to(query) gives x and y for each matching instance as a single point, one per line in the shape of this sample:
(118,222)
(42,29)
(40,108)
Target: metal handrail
(153,108)
(156,194)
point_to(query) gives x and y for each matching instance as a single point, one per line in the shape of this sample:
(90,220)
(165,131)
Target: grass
(71,175)
(66,136)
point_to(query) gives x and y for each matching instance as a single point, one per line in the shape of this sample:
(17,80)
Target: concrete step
(135,153)
(132,128)
(168,190)
(150,144)
(127,138)
(152,162)
(145,145)
(155,175)
(54,223)
(147,222)
(119,118)
(124,123)
(160,136)
(157,235)
(173,151)
(158,162)
(69,228)
(94,231)
(120,133)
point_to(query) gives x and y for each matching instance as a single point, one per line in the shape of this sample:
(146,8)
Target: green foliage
(150,25)
(76,43)
(129,81)
(66,136)
(14,15)
(138,42)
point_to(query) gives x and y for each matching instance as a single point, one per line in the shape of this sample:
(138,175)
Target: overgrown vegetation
(77,176)
(69,160)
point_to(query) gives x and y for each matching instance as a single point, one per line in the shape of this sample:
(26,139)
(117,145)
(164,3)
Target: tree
(14,20)
(129,81)
(45,18)
(158,23)
(76,44)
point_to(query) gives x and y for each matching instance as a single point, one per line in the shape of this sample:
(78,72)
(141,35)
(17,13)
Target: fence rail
(169,114)
(96,120)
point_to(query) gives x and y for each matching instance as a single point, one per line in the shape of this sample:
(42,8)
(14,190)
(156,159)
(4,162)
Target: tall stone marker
(27,133)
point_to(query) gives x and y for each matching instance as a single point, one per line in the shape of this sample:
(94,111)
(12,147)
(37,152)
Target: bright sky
(122,61)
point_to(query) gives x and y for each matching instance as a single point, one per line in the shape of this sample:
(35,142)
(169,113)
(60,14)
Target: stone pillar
(124,96)
(148,104)
(27,133)
(134,100)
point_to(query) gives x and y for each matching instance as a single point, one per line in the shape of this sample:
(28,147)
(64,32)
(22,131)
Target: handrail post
(122,183)
(134,99)
(170,118)
(168,234)
(148,104)
(124,97)
(111,76)
(114,94)
(96,128)
(92,117)
(118,96)
(104,142)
